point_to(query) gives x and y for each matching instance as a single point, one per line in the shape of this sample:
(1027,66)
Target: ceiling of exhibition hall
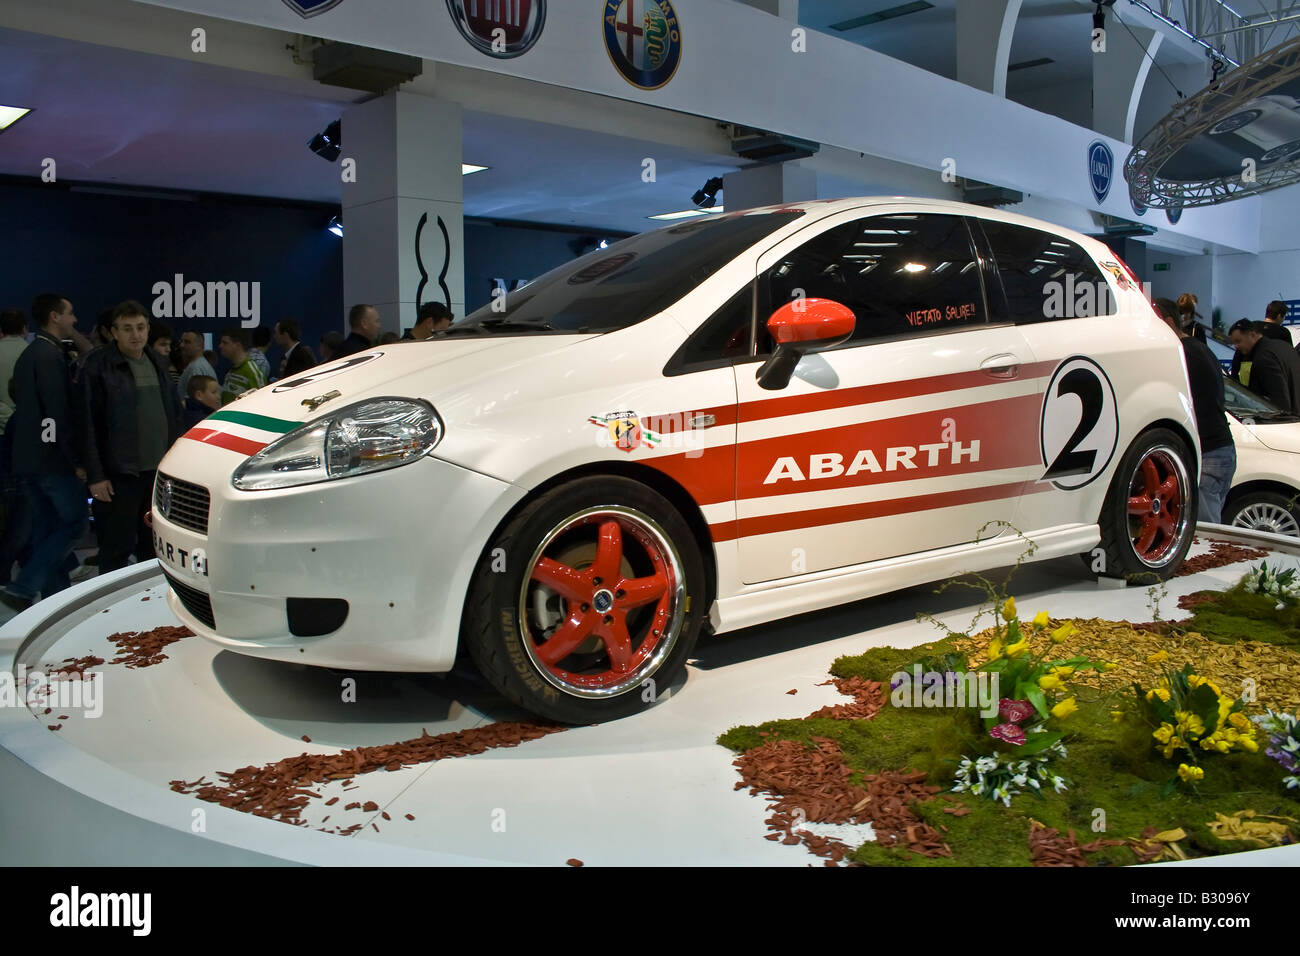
(130,119)
(1055,30)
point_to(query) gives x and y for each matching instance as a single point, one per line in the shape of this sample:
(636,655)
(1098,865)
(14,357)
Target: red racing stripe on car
(798,520)
(209,436)
(986,436)
(708,475)
(883,392)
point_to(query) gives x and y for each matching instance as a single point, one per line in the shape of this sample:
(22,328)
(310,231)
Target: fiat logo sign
(499,28)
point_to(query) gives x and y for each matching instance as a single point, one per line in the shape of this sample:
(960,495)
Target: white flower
(1035,784)
(1019,779)
(1058,784)
(959,788)
(985,764)
(978,788)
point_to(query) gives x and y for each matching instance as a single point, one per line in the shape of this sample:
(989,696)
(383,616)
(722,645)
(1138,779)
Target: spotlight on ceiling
(328,144)
(707,197)
(336,226)
(11,114)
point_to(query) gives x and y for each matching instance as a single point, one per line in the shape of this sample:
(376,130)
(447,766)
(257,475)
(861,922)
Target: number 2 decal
(1080,424)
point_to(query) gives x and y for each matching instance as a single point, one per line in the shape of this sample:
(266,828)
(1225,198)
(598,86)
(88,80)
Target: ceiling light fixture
(336,226)
(11,114)
(686,213)
(469,169)
(707,197)
(328,144)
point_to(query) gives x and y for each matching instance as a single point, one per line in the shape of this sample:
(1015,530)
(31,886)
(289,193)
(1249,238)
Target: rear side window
(901,275)
(1044,277)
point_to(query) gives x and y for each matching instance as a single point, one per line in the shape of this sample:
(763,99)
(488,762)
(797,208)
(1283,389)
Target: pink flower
(1015,711)
(1008,732)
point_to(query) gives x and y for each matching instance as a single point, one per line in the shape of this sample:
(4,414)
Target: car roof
(821,208)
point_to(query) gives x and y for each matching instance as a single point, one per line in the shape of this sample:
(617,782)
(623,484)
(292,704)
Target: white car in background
(1265,493)
(723,422)
(1271,122)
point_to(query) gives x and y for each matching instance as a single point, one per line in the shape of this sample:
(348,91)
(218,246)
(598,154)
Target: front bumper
(399,546)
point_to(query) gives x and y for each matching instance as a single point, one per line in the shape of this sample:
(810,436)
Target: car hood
(1279,436)
(430,370)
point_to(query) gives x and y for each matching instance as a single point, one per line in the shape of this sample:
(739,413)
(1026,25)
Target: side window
(1044,276)
(901,275)
(722,337)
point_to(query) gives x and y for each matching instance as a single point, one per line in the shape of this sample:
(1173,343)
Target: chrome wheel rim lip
(672,630)
(1175,464)
(1262,516)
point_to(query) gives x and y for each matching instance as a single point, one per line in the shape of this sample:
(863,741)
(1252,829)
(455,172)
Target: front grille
(189,503)
(195,601)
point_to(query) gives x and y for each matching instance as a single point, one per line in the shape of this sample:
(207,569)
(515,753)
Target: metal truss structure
(1237,30)
(1195,116)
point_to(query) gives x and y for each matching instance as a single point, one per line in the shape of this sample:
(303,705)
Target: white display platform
(654,789)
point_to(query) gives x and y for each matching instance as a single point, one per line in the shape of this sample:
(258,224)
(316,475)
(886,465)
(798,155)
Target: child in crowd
(203,398)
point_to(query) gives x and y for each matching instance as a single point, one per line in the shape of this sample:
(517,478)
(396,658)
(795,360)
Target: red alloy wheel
(1157,506)
(610,581)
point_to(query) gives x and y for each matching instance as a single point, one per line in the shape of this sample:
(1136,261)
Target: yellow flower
(995,648)
(1108,666)
(1009,609)
(1163,733)
(1160,692)
(1062,672)
(1018,648)
(1062,632)
(1117,716)
(1040,619)
(1049,682)
(1190,774)
(1240,721)
(1065,708)
(1248,744)
(1159,657)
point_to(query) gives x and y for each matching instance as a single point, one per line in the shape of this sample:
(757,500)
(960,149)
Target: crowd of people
(91,418)
(1266,361)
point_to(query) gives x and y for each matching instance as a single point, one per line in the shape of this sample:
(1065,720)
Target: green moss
(1112,768)
(882,663)
(1237,615)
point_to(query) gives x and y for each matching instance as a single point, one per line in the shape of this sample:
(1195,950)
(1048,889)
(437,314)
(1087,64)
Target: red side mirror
(811,324)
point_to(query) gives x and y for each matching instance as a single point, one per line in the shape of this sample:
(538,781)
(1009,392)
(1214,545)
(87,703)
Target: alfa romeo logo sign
(499,28)
(644,40)
(1101,170)
(311,8)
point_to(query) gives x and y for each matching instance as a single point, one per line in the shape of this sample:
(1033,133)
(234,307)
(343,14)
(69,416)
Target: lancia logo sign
(1101,170)
(499,28)
(311,8)
(165,497)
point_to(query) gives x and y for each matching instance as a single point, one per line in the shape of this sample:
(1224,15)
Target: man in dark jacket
(1274,372)
(1272,328)
(46,438)
(132,416)
(1205,378)
(432,317)
(297,354)
(363,320)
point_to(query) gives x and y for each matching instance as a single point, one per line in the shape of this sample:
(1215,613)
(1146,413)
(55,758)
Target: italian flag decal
(241,432)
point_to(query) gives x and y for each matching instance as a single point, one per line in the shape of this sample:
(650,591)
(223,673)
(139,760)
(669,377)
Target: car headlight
(370,436)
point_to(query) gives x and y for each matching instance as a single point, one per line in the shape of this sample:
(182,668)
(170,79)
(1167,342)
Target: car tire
(548,619)
(1148,517)
(1264,511)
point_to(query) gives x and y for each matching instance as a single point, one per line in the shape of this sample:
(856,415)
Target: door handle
(1005,365)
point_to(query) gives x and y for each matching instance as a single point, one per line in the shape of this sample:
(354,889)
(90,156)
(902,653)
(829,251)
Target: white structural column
(768,186)
(1119,75)
(985,29)
(403,232)
(786,9)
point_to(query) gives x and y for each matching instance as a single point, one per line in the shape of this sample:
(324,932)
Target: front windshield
(1242,403)
(627,282)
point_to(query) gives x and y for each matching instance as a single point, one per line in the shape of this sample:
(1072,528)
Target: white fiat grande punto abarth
(724,422)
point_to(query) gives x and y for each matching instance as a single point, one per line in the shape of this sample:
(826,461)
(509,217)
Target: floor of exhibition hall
(652,789)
